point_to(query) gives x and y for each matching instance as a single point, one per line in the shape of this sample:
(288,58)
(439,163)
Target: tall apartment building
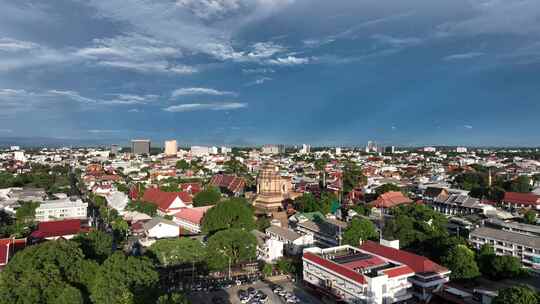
(273,149)
(306,149)
(171,147)
(140,146)
(226,150)
(61,209)
(372,273)
(115,149)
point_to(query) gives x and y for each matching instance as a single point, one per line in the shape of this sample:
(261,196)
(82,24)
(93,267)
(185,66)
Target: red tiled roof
(192,215)
(370,262)
(163,199)
(233,183)
(398,271)
(521,198)
(58,228)
(391,199)
(339,269)
(193,188)
(417,263)
(4,251)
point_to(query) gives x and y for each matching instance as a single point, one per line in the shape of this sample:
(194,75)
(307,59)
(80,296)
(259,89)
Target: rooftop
(507,236)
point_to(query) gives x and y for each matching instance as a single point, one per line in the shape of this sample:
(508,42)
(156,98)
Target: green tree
(521,184)
(96,245)
(123,279)
(120,228)
(182,165)
(234,245)
(359,229)
(530,217)
(233,213)
(460,260)
(498,267)
(307,203)
(352,177)
(177,251)
(122,188)
(415,224)
(386,188)
(44,273)
(262,223)
(520,294)
(26,212)
(143,207)
(267,270)
(285,266)
(173,298)
(210,196)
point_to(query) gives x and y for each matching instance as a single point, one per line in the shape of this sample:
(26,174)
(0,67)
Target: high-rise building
(306,149)
(226,150)
(390,149)
(461,150)
(338,150)
(371,147)
(430,149)
(140,146)
(273,149)
(171,147)
(115,149)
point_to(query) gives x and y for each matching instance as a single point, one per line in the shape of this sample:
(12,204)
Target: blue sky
(245,72)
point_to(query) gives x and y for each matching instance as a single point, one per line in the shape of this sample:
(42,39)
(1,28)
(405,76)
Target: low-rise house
(456,204)
(525,247)
(291,242)
(389,200)
(53,230)
(159,228)
(372,273)
(61,209)
(168,203)
(326,232)
(230,184)
(518,200)
(533,230)
(190,219)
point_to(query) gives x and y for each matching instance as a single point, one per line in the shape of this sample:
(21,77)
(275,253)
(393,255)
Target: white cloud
(288,61)
(259,81)
(200,91)
(98,131)
(463,56)
(72,95)
(258,71)
(6,131)
(189,107)
(395,41)
(134,110)
(13,45)
(467,126)
(265,50)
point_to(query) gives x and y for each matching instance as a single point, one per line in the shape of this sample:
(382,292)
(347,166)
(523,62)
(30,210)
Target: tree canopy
(386,188)
(233,213)
(234,244)
(143,207)
(209,196)
(520,294)
(46,273)
(177,251)
(96,245)
(498,267)
(352,176)
(123,279)
(460,260)
(414,224)
(359,229)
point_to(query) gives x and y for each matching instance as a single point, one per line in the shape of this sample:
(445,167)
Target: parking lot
(231,295)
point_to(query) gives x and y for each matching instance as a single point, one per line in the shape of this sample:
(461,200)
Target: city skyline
(244,73)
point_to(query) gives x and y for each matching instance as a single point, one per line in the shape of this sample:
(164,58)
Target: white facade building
(461,150)
(159,228)
(199,151)
(61,209)
(372,273)
(171,147)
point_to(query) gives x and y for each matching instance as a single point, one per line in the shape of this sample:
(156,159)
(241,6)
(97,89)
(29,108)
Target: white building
(61,209)
(213,150)
(226,150)
(281,241)
(461,150)
(430,149)
(171,147)
(273,149)
(372,273)
(19,156)
(14,148)
(524,247)
(199,151)
(338,151)
(306,149)
(159,228)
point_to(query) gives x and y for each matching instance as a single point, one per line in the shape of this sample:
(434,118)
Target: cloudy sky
(241,72)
